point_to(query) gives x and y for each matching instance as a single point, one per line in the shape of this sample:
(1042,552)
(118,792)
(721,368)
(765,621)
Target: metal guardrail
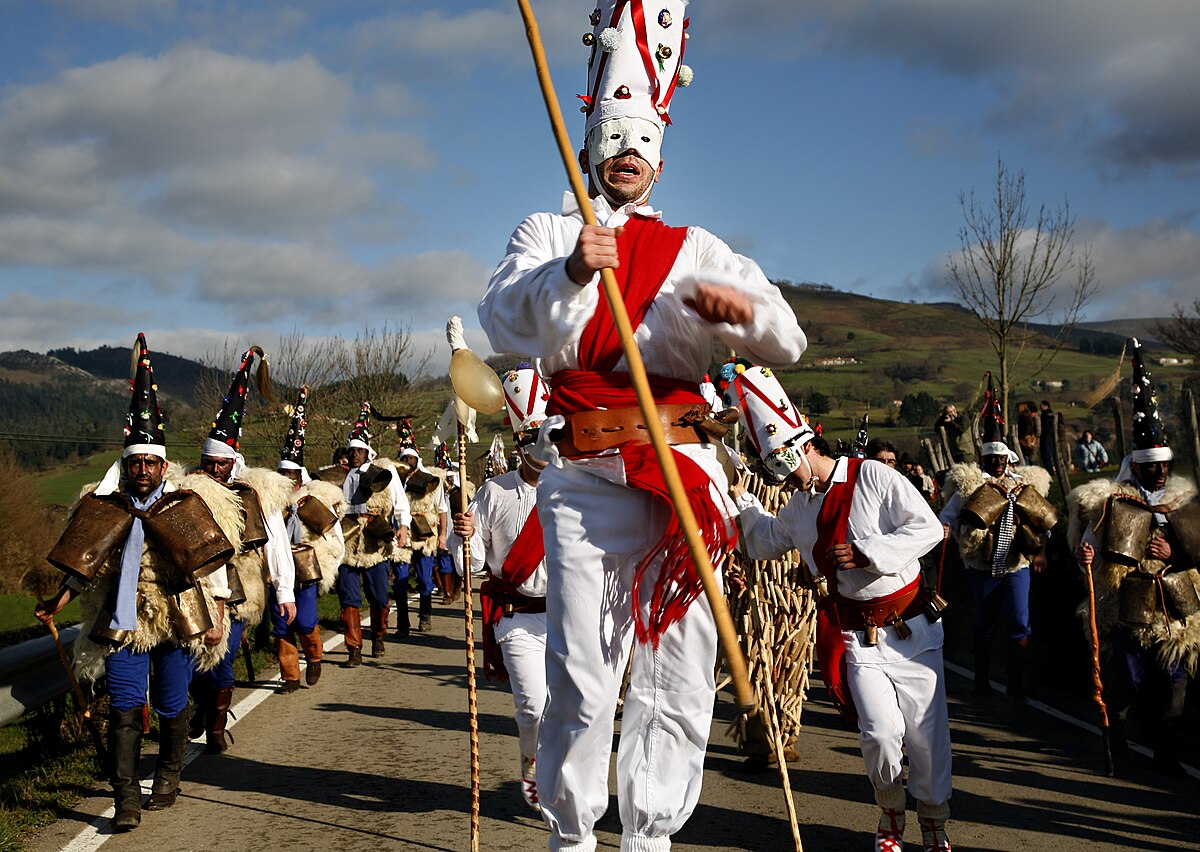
(31,674)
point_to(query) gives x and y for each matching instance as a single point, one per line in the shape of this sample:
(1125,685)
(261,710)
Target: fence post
(1061,465)
(1193,435)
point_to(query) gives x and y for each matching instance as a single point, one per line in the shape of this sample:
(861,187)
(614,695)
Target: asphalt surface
(378,758)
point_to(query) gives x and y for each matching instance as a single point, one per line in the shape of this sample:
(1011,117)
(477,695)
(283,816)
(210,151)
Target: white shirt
(500,508)
(280,564)
(890,523)
(533,308)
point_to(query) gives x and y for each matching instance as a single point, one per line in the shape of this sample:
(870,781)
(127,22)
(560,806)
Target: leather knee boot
(200,690)
(453,586)
(289,663)
(402,622)
(983,667)
(424,618)
(1018,652)
(379,621)
(313,651)
(125,752)
(218,738)
(352,621)
(172,740)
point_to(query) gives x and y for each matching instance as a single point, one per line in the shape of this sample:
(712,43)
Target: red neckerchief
(833,521)
(527,553)
(647,249)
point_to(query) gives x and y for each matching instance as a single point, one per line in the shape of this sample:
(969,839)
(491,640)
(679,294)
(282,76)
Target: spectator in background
(1048,434)
(881,451)
(1090,456)
(958,435)
(1029,430)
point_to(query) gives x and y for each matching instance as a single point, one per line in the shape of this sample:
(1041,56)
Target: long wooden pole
(637,372)
(469,619)
(1097,683)
(85,709)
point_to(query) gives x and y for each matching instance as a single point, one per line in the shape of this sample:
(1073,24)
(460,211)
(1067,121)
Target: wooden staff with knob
(637,372)
(477,386)
(85,708)
(1086,554)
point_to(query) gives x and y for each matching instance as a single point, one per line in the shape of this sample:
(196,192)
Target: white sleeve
(764,536)
(479,543)
(915,529)
(218,583)
(279,559)
(773,337)
(532,307)
(950,512)
(401,508)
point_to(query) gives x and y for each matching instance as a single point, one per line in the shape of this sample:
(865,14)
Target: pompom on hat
(634,67)
(144,433)
(1149,438)
(525,398)
(776,428)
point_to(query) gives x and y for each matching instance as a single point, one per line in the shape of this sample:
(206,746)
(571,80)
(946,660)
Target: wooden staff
(1097,684)
(469,618)
(637,372)
(85,707)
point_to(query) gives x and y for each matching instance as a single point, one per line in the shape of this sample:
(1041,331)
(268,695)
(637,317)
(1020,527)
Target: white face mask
(611,137)
(781,462)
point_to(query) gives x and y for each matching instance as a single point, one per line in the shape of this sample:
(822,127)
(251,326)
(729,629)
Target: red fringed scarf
(647,249)
(526,554)
(832,523)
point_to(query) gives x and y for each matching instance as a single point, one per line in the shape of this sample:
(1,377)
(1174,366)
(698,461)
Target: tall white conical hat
(634,67)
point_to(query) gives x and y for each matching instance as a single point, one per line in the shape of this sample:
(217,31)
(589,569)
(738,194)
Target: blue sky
(225,171)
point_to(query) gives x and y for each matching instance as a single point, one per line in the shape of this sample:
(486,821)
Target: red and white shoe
(529,782)
(933,835)
(889,836)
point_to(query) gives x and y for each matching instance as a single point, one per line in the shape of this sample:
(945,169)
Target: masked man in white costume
(617,562)
(506,535)
(864,527)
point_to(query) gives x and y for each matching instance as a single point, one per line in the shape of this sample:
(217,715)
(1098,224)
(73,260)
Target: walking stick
(477,386)
(1097,684)
(85,707)
(637,372)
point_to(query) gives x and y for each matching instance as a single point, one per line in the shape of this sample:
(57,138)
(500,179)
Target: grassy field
(61,486)
(16,613)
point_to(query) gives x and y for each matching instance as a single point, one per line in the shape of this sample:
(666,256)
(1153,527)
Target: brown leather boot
(313,651)
(218,739)
(453,584)
(379,621)
(289,663)
(352,621)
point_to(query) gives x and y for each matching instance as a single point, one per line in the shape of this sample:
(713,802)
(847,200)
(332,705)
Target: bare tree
(1008,269)
(1182,332)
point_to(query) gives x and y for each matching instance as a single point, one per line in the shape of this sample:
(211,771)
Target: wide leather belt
(589,432)
(883,612)
(520,603)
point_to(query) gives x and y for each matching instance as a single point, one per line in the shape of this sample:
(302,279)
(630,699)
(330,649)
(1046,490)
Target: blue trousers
(129,677)
(306,611)
(352,581)
(221,676)
(445,563)
(1004,598)
(422,566)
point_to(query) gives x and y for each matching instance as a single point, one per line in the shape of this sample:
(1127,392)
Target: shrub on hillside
(31,530)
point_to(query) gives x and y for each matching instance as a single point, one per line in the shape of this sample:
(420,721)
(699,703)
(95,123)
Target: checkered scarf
(1004,537)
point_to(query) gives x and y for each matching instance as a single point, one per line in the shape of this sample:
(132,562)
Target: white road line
(96,832)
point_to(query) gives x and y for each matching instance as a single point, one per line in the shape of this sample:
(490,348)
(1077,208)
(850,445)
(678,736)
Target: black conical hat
(227,427)
(361,430)
(860,442)
(293,444)
(1149,438)
(991,416)
(143,424)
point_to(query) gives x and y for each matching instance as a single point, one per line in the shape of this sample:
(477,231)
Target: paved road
(377,758)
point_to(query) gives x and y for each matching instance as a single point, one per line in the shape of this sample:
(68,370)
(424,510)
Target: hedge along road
(378,757)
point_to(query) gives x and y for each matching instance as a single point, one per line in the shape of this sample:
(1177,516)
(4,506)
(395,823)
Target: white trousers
(596,532)
(522,639)
(899,690)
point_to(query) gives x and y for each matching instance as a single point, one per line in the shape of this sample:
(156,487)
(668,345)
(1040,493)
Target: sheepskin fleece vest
(1177,642)
(329,548)
(974,544)
(362,549)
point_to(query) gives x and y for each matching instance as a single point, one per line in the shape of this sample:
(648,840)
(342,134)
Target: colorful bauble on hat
(360,433)
(292,455)
(525,398)
(441,456)
(144,433)
(634,67)
(775,426)
(225,437)
(1149,438)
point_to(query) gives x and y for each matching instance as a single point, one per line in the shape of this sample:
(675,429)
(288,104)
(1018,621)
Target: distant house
(835,361)
(1173,362)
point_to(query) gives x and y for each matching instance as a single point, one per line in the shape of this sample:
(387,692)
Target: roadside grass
(61,486)
(17,623)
